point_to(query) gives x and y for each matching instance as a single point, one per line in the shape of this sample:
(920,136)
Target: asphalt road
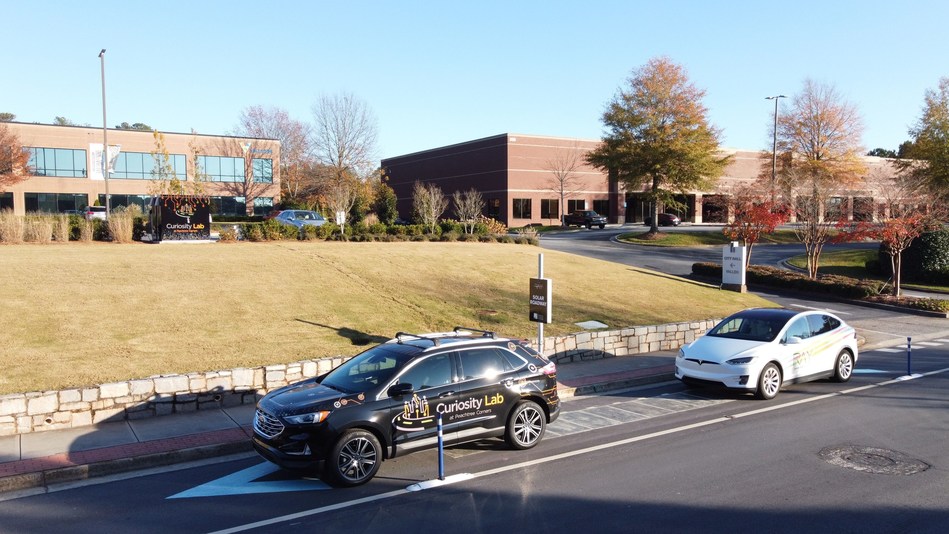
(664,459)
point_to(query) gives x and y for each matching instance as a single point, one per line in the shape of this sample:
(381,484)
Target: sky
(436,73)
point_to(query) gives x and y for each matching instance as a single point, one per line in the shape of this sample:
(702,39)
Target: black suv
(588,218)
(385,402)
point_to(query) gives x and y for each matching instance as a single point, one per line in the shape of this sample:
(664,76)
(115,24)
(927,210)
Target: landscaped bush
(87,230)
(11,227)
(238,218)
(38,229)
(227,234)
(100,230)
(120,225)
(61,228)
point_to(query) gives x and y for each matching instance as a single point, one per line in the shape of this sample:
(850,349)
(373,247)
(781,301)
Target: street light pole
(774,145)
(105,142)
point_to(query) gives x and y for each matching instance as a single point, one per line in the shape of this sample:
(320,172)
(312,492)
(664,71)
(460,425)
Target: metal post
(774,145)
(540,325)
(105,142)
(909,356)
(441,450)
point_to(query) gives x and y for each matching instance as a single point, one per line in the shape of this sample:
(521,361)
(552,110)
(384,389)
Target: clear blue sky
(442,72)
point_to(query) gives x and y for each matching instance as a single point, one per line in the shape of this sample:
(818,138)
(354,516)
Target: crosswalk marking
(928,344)
(574,422)
(943,340)
(889,350)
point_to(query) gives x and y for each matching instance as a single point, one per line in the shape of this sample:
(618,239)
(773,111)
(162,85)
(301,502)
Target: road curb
(567,392)
(60,475)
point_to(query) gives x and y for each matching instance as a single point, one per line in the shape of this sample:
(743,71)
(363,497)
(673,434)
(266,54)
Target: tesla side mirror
(793,340)
(399,390)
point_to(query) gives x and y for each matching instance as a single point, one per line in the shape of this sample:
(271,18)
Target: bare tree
(429,203)
(14,158)
(819,146)
(295,145)
(565,180)
(344,142)
(468,207)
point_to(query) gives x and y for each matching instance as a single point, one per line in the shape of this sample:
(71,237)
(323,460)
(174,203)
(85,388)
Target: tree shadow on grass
(354,336)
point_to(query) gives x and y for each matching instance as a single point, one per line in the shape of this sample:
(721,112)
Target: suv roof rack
(399,335)
(484,333)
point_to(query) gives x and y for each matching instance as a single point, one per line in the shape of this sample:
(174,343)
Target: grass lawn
(696,238)
(82,314)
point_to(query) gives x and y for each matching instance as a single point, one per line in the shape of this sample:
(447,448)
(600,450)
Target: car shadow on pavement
(355,336)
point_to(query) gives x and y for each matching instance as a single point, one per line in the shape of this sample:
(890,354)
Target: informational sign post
(180,218)
(541,310)
(734,258)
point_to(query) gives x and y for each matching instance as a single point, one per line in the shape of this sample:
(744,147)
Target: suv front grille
(267,425)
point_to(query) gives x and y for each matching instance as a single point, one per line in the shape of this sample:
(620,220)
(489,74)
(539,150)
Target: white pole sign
(733,264)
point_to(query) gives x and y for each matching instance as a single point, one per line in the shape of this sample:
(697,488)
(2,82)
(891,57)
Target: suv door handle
(446,394)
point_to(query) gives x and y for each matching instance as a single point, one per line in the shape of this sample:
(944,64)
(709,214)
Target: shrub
(61,228)
(254,232)
(120,225)
(100,230)
(11,227)
(38,229)
(493,226)
(927,258)
(227,234)
(377,228)
(87,231)
(506,239)
(138,227)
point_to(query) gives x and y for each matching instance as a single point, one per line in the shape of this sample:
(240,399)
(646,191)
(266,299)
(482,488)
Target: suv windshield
(749,328)
(369,369)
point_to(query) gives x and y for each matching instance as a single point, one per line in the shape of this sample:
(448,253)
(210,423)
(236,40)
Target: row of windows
(228,169)
(142,165)
(63,202)
(71,163)
(550,208)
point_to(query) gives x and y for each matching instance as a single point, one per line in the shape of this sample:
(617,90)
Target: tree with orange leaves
(14,158)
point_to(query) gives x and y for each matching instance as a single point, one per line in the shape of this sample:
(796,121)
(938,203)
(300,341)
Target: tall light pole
(105,142)
(774,144)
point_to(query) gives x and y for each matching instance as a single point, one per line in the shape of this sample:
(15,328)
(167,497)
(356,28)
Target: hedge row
(925,261)
(840,286)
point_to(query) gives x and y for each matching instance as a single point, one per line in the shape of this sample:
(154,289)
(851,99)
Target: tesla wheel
(769,382)
(525,426)
(355,458)
(843,369)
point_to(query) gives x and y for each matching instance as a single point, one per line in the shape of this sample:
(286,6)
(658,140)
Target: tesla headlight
(681,353)
(307,418)
(740,361)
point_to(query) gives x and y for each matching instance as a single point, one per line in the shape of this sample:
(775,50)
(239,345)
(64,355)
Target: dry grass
(76,315)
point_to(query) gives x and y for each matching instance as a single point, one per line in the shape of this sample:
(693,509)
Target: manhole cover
(872,460)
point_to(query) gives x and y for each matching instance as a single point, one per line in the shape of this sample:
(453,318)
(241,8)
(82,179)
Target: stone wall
(23,413)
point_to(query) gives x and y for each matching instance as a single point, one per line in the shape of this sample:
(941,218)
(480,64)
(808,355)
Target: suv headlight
(740,361)
(308,418)
(681,353)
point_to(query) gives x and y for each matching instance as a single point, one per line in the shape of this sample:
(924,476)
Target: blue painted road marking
(245,482)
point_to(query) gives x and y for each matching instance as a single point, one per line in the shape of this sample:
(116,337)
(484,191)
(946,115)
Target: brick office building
(66,169)
(517,177)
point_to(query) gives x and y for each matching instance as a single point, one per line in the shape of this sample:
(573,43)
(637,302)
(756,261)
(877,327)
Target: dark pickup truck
(588,218)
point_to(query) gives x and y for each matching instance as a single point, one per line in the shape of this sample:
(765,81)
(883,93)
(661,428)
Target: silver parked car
(300,218)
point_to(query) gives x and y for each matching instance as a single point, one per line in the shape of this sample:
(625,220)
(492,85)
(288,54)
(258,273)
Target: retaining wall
(23,413)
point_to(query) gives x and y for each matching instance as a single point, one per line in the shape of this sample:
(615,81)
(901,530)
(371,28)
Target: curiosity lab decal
(417,414)
(184,217)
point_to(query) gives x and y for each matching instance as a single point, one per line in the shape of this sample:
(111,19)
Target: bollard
(441,450)
(909,356)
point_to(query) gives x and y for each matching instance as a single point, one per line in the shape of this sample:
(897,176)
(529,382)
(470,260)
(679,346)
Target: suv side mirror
(399,390)
(793,340)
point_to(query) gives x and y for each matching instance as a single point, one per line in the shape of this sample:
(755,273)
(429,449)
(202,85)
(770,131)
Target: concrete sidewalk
(34,462)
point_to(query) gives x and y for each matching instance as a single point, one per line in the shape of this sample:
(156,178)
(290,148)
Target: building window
(222,168)
(522,208)
(6,201)
(141,165)
(54,202)
(228,206)
(576,205)
(263,205)
(118,201)
(263,170)
(493,208)
(549,208)
(59,162)
(601,206)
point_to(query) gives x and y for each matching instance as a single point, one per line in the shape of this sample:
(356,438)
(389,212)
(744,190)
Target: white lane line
(943,340)
(890,350)
(578,452)
(821,309)
(927,344)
